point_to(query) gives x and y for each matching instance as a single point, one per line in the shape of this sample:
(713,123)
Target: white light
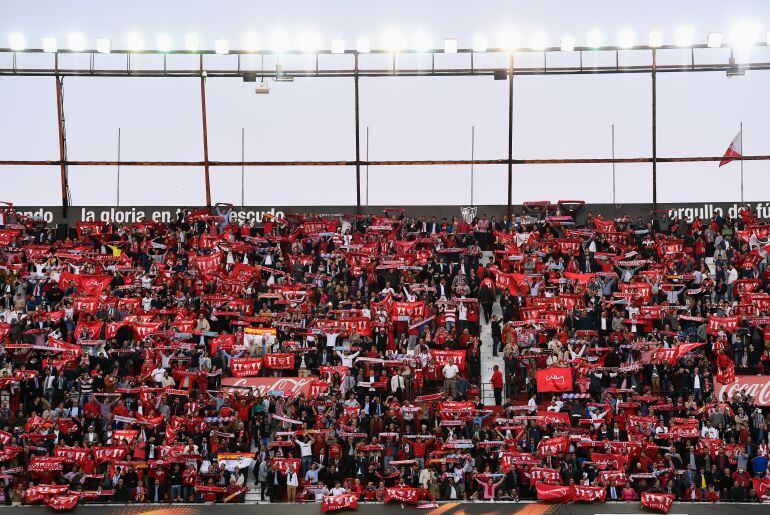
(744,36)
(103,45)
(363,45)
(192,42)
(567,44)
(422,42)
(76,42)
(714,40)
(309,42)
(338,46)
(279,42)
(767,41)
(538,40)
(594,39)
(684,36)
(510,39)
(480,43)
(655,39)
(17,41)
(393,40)
(221,46)
(450,46)
(135,41)
(252,42)
(50,45)
(164,43)
(626,39)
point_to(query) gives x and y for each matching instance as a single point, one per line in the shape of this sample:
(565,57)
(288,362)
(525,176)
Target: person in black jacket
(156,492)
(276,481)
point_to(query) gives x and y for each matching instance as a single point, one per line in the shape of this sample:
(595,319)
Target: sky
(407,117)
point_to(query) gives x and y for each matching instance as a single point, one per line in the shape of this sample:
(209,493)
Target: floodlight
(135,41)
(567,44)
(393,40)
(655,39)
(480,43)
(76,42)
(684,37)
(450,46)
(422,42)
(50,45)
(744,36)
(767,41)
(221,46)
(164,43)
(309,42)
(510,39)
(338,46)
(192,42)
(363,45)
(538,40)
(18,42)
(714,40)
(626,39)
(103,45)
(594,39)
(279,42)
(251,42)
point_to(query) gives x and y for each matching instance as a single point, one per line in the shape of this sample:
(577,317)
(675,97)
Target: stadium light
(50,45)
(422,42)
(480,43)
(744,36)
(17,41)
(450,45)
(363,45)
(338,46)
(192,42)
(594,39)
(510,39)
(714,40)
(76,42)
(655,39)
(221,46)
(538,40)
(279,42)
(684,37)
(626,39)
(164,43)
(251,42)
(567,44)
(393,40)
(308,42)
(103,45)
(767,41)
(134,41)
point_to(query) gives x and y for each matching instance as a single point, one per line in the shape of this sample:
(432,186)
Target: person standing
(292,482)
(497,385)
(497,334)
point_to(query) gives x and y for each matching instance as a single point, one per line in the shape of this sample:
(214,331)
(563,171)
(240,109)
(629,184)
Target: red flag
(553,493)
(63,502)
(588,493)
(339,502)
(658,502)
(734,150)
(554,380)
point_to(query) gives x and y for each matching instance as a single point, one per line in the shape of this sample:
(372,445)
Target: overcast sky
(408,118)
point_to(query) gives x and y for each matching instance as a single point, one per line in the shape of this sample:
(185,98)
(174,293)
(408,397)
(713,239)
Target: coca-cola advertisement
(288,386)
(756,386)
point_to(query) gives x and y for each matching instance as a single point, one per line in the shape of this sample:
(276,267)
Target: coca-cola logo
(756,386)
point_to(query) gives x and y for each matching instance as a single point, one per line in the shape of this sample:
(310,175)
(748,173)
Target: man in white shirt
(292,482)
(450,372)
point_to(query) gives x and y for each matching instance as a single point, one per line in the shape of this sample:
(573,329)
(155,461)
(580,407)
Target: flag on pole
(734,150)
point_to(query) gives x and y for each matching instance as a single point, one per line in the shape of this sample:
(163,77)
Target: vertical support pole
(367,166)
(654,134)
(510,135)
(62,149)
(117,182)
(205,135)
(243,158)
(614,202)
(358,140)
(741,133)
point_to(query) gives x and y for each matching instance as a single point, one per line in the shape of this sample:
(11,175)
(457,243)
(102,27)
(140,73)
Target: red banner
(553,493)
(144,329)
(658,502)
(554,380)
(63,502)
(102,454)
(284,463)
(551,446)
(727,324)
(245,367)
(339,502)
(70,454)
(206,264)
(401,310)
(544,474)
(582,493)
(442,357)
(405,495)
(282,361)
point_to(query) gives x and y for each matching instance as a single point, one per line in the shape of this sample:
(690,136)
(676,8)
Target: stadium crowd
(318,356)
